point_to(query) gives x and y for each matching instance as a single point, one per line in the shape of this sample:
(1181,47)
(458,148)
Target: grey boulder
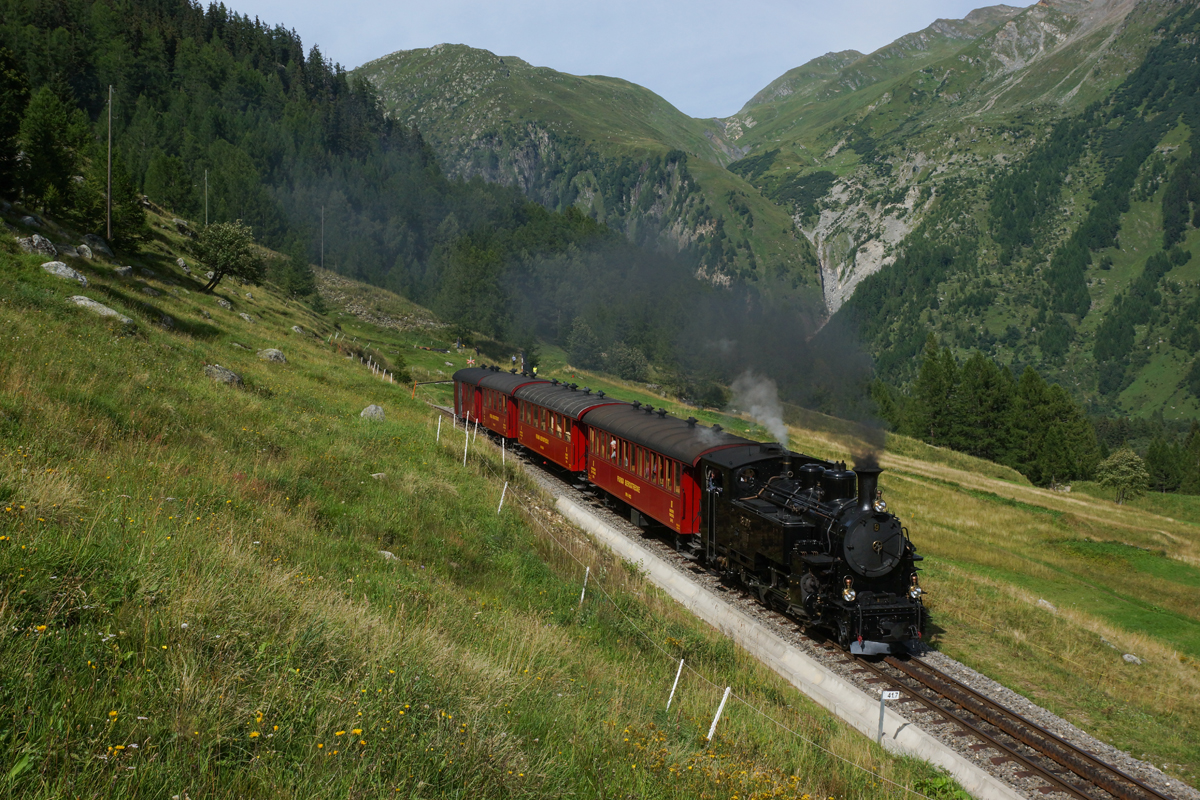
(124,272)
(30,221)
(225,304)
(150,291)
(84,251)
(61,270)
(1130,658)
(298,329)
(97,244)
(273,355)
(38,244)
(99,308)
(372,412)
(219,373)
(247,317)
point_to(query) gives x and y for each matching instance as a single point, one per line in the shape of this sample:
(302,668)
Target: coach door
(713,486)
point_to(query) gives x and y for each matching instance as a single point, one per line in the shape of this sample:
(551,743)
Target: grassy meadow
(193,601)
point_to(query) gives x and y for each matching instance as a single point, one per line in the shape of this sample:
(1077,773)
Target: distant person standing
(477,351)
(535,372)
(514,361)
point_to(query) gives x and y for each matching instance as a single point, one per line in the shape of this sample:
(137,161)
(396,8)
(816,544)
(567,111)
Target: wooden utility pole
(322,237)
(206,198)
(108,214)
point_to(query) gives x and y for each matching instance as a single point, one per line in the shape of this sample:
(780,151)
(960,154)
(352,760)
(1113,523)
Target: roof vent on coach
(717,428)
(691,421)
(586,390)
(554,381)
(600,393)
(636,404)
(572,386)
(662,412)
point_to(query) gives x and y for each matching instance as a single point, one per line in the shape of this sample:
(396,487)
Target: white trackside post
(503,492)
(466,443)
(586,572)
(503,451)
(476,436)
(438,440)
(717,718)
(882,697)
(678,672)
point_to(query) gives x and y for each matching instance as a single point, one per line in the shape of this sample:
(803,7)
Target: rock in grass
(167,322)
(378,475)
(372,412)
(179,262)
(124,272)
(388,556)
(84,251)
(298,329)
(61,270)
(99,308)
(1047,605)
(225,304)
(247,317)
(1130,658)
(205,314)
(30,221)
(148,273)
(97,244)
(273,355)
(219,373)
(150,291)
(38,244)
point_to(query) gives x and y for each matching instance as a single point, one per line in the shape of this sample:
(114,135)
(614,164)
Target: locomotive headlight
(848,593)
(915,591)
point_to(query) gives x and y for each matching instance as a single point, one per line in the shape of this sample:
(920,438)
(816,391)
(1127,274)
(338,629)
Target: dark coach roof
(560,397)
(490,378)
(670,436)
(471,375)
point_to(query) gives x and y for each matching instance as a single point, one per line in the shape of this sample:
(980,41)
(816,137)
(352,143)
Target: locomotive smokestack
(868,482)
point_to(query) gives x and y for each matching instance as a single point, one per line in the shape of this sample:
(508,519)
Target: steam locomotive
(809,537)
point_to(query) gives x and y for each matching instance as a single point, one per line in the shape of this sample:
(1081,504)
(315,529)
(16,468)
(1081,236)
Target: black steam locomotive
(812,538)
(816,541)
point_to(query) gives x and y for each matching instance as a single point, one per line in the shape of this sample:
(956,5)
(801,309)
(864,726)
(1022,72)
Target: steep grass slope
(194,602)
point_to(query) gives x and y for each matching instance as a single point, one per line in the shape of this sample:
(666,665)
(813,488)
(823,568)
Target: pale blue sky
(706,58)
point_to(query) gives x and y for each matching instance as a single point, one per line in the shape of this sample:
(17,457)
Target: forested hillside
(217,118)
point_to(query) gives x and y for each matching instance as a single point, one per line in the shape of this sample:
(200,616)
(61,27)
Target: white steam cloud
(758,396)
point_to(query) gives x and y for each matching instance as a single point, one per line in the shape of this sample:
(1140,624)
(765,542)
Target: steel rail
(1056,782)
(1028,732)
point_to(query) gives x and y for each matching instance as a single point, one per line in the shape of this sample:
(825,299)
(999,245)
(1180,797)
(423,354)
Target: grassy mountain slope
(612,148)
(193,600)
(919,156)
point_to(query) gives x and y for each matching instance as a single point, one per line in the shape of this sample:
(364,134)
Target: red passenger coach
(485,394)
(647,459)
(548,421)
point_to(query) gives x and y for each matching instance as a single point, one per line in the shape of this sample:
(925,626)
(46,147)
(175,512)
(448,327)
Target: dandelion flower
(112,714)
(339,733)
(319,746)
(356,731)
(253,734)
(41,627)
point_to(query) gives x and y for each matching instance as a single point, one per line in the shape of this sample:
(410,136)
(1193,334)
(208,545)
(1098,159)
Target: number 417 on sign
(891,696)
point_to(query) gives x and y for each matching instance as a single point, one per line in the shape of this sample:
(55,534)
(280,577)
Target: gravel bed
(840,664)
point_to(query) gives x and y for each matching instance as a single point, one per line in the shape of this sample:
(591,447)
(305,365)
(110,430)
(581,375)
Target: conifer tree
(933,393)
(14,94)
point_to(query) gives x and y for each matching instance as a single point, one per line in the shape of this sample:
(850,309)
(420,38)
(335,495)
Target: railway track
(1017,741)
(1024,750)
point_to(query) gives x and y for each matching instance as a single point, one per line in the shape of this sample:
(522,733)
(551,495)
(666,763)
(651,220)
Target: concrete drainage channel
(831,691)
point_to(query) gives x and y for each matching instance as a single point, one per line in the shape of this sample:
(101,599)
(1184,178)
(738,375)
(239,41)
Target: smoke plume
(758,396)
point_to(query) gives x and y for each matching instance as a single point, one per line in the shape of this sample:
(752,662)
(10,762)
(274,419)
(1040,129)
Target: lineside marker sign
(885,696)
